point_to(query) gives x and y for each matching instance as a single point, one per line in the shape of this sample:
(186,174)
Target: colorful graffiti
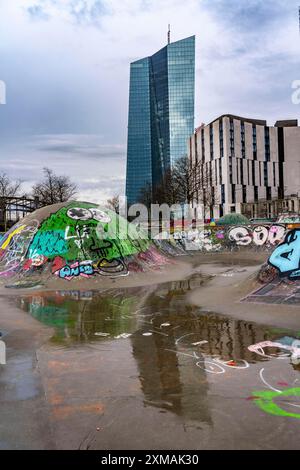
(259,235)
(78,240)
(265,401)
(286,257)
(288,347)
(14,246)
(222,238)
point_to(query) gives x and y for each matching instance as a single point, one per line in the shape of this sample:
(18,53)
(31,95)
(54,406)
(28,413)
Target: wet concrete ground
(140,368)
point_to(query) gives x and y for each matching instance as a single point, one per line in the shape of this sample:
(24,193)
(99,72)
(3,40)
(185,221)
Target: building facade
(249,162)
(161,114)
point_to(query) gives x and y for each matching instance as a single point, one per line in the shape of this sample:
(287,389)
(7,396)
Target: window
(233,194)
(221,137)
(243,139)
(254,141)
(231,137)
(241,171)
(267,144)
(253,173)
(244,194)
(265,174)
(223,193)
(203,145)
(230,171)
(211,138)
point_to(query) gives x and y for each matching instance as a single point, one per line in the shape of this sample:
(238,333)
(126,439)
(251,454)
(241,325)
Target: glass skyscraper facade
(161,114)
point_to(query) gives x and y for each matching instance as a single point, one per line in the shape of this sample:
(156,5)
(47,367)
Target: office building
(161,114)
(252,166)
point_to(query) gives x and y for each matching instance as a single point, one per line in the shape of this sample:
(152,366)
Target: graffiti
(259,236)
(84,269)
(286,257)
(101,248)
(107,267)
(265,401)
(73,237)
(100,216)
(10,236)
(291,345)
(213,365)
(79,234)
(13,248)
(48,243)
(216,239)
(79,213)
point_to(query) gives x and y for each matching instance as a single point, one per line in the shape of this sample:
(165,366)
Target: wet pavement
(140,368)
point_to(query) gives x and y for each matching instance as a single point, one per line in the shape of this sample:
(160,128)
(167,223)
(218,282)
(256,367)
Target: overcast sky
(66,67)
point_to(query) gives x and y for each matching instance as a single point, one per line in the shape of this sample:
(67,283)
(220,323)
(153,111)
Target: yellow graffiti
(11,235)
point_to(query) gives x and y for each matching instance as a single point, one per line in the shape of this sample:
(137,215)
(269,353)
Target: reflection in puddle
(181,353)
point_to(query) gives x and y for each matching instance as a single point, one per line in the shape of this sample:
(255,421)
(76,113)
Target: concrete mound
(75,240)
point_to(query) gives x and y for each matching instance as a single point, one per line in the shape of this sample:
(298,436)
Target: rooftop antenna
(169,29)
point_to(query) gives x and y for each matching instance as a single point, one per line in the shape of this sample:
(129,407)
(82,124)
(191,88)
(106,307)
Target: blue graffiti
(68,272)
(286,257)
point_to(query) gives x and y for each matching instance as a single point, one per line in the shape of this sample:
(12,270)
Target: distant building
(254,166)
(161,114)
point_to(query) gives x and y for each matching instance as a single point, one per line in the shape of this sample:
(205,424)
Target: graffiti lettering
(286,257)
(84,269)
(259,236)
(291,345)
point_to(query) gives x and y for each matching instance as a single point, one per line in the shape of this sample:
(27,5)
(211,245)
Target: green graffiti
(265,401)
(77,238)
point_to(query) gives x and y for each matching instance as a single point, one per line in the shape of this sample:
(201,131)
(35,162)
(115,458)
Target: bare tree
(185,182)
(114,204)
(206,184)
(8,189)
(53,188)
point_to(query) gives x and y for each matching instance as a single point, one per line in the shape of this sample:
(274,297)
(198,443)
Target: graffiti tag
(286,257)
(84,269)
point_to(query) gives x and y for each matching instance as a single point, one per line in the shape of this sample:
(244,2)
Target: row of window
(232,140)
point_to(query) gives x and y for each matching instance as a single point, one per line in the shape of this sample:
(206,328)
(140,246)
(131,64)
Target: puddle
(150,350)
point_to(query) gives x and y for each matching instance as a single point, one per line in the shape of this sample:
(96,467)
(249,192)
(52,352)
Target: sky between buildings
(66,67)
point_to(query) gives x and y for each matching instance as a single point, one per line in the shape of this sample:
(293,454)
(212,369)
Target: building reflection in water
(159,321)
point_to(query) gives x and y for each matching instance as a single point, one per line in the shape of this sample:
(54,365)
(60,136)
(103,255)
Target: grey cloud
(36,12)
(90,146)
(81,12)
(250,15)
(89,166)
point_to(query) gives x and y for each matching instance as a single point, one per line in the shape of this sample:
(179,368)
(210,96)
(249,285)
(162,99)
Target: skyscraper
(161,114)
